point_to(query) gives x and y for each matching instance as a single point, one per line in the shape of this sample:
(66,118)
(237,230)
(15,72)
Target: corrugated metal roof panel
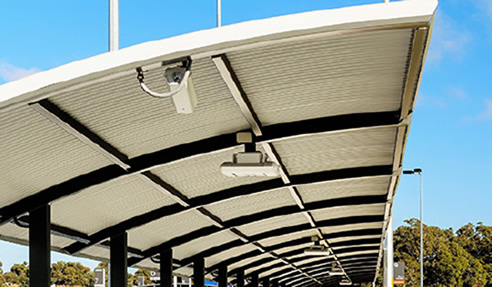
(324,77)
(348,149)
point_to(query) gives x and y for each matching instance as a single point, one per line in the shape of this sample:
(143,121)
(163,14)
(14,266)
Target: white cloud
(458,93)
(431,102)
(485,6)
(448,39)
(485,115)
(10,72)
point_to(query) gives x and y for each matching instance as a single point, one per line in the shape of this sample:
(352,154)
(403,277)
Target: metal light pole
(219,14)
(113,25)
(419,172)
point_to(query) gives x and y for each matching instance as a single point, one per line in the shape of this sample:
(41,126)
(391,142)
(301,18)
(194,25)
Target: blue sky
(451,134)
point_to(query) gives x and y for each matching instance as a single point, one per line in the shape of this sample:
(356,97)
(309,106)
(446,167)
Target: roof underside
(331,96)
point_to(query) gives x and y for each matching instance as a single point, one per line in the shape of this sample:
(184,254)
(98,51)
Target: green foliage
(449,259)
(72,274)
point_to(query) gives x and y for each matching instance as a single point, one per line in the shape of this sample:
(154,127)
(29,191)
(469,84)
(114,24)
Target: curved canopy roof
(328,94)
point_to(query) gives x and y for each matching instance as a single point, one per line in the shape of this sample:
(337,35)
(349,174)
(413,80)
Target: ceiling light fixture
(317,249)
(250,162)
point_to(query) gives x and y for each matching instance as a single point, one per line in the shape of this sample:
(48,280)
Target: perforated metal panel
(233,252)
(161,230)
(108,204)
(288,237)
(196,246)
(261,266)
(37,154)
(344,188)
(347,227)
(251,204)
(346,211)
(136,123)
(272,223)
(96,252)
(292,248)
(340,75)
(200,175)
(338,150)
(350,238)
(12,232)
(248,261)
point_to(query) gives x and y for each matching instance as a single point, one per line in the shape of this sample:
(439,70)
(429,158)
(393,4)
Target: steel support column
(240,278)
(254,280)
(199,272)
(118,260)
(265,282)
(222,280)
(39,247)
(166,267)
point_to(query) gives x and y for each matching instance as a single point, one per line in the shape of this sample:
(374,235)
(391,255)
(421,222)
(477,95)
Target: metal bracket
(182,82)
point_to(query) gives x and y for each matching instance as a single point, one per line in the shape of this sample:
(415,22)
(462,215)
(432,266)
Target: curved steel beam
(325,271)
(285,271)
(298,252)
(227,194)
(244,220)
(322,260)
(291,243)
(148,161)
(311,267)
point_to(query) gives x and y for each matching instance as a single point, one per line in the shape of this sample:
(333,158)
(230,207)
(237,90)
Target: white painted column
(388,256)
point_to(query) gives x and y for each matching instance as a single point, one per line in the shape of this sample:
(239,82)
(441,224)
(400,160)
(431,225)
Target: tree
(449,260)
(2,278)
(19,274)
(72,274)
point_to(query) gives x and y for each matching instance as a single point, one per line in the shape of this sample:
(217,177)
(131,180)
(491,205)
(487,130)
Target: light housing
(317,250)
(345,282)
(249,164)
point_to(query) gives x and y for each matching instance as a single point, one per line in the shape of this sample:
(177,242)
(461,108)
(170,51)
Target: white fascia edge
(201,42)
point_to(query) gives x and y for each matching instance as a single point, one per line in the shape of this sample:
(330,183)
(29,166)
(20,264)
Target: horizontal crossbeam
(148,161)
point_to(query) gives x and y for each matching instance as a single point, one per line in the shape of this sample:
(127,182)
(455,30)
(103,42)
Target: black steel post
(265,282)
(254,280)
(240,278)
(39,247)
(166,267)
(222,276)
(199,272)
(118,260)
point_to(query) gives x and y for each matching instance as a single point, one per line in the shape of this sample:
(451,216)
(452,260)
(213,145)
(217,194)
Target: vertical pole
(388,274)
(199,272)
(219,14)
(39,247)
(118,260)
(175,282)
(421,232)
(222,276)
(113,25)
(254,280)
(166,267)
(265,282)
(240,278)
